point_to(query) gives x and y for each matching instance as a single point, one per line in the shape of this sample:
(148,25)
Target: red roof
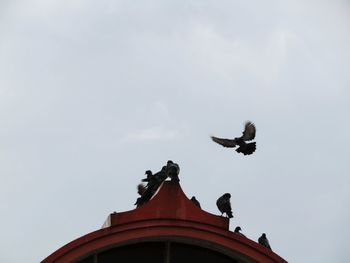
(169,215)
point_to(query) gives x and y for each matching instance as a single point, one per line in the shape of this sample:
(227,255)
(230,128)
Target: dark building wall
(158,252)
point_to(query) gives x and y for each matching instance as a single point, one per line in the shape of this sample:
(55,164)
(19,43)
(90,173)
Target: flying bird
(237,229)
(224,205)
(195,201)
(248,135)
(264,241)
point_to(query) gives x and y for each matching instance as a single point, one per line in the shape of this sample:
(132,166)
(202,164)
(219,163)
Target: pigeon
(237,229)
(141,189)
(248,135)
(195,201)
(264,241)
(154,180)
(224,205)
(146,192)
(161,175)
(170,170)
(139,202)
(145,196)
(149,176)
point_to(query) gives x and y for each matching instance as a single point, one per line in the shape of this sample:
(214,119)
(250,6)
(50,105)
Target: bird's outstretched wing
(249,131)
(225,142)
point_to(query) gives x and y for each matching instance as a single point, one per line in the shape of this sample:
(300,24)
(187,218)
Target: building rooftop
(169,216)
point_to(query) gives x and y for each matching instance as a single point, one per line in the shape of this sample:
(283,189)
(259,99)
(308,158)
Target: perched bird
(141,189)
(146,192)
(149,176)
(248,135)
(224,205)
(172,171)
(264,241)
(139,202)
(145,196)
(195,201)
(161,175)
(237,229)
(154,180)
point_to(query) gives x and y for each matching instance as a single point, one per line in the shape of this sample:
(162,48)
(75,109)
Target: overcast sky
(93,93)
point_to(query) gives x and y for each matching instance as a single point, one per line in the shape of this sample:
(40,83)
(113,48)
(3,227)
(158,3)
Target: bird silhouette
(146,192)
(224,205)
(248,135)
(172,171)
(237,229)
(149,176)
(264,241)
(141,189)
(195,201)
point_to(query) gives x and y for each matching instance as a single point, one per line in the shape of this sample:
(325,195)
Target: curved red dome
(169,216)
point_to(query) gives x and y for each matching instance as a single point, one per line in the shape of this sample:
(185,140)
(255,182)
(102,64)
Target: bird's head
(227,195)
(148,172)
(263,235)
(237,229)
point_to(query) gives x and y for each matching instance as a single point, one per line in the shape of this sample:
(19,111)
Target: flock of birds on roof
(146,192)
(171,170)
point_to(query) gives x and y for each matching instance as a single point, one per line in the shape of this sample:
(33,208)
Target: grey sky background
(93,93)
